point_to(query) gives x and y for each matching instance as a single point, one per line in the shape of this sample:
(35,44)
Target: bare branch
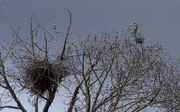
(10,107)
(9,50)
(55,38)
(36,104)
(9,87)
(19,38)
(67,34)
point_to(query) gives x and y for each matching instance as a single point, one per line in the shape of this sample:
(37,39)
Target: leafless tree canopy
(117,75)
(33,68)
(107,72)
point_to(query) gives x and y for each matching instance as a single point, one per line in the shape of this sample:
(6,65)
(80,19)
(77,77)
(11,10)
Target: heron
(137,37)
(136,27)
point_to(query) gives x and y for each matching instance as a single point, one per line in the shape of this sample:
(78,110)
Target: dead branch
(13,94)
(67,35)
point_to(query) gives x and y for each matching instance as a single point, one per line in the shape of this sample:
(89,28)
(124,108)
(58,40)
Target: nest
(41,76)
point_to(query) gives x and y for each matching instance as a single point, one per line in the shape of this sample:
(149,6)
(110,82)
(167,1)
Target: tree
(103,73)
(114,74)
(36,71)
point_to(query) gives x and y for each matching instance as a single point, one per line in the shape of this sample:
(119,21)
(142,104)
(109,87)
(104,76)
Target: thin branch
(73,100)
(32,37)
(86,86)
(10,107)
(13,94)
(55,38)
(36,104)
(19,38)
(43,28)
(67,35)
(46,48)
(95,106)
(9,50)
(50,99)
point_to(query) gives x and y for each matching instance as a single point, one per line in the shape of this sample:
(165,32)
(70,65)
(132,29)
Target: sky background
(159,20)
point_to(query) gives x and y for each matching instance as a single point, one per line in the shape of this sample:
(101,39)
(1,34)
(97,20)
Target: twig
(12,107)
(10,48)
(67,34)
(55,38)
(13,94)
(18,37)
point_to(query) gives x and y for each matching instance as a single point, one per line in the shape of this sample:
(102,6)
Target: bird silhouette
(138,38)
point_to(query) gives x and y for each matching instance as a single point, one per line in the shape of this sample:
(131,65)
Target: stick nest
(41,76)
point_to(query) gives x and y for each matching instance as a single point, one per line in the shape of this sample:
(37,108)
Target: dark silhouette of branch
(11,107)
(36,104)
(73,100)
(13,94)
(53,92)
(50,99)
(67,35)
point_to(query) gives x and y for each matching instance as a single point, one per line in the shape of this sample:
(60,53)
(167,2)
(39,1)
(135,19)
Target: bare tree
(117,75)
(33,68)
(104,73)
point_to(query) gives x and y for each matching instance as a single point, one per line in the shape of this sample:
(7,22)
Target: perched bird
(138,38)
(136,27)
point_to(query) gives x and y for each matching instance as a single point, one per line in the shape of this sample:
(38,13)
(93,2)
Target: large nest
(41,76)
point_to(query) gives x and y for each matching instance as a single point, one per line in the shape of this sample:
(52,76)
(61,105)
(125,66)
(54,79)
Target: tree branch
(13,94)
(11,107)
(67,34)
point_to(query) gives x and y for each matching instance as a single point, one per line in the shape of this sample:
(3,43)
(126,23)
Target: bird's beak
(130,24)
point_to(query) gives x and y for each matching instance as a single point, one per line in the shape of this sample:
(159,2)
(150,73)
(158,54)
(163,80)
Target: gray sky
(159,20)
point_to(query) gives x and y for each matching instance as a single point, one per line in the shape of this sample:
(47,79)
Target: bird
(136,27)
(138,38)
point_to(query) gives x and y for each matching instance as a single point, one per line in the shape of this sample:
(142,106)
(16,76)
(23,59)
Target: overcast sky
(159,20)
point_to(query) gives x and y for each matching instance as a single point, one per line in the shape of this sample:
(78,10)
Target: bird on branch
(138,38)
